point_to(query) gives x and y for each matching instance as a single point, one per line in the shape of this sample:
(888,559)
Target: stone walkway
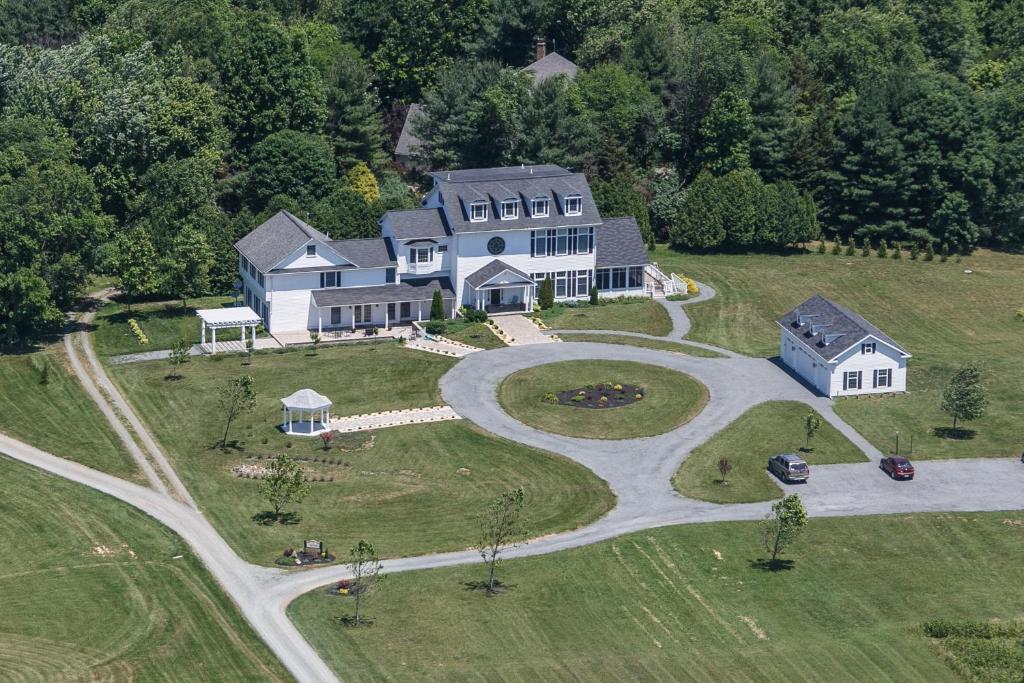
(444,347)
(392,418)
(519,331)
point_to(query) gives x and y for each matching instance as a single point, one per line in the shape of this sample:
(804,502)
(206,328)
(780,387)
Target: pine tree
(850,246)
(546,297)
(897,251)
(929,251)
(593,296)
(821,247)
(944,253)
(915,251)
(437,307)
(865,249)
(836,248)
(883,251)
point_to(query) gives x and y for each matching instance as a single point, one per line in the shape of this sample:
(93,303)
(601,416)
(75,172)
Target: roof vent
(818,329)
(804,319)
(829,338)
(449,176)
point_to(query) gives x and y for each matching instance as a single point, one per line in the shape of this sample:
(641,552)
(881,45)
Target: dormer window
(573,205)
(478,211)
(540,207)
(509,209)
(310,250)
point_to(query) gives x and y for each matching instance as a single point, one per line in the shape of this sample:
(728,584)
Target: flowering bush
(133,325)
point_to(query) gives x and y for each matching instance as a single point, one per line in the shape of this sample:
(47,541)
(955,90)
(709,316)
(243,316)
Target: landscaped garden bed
(606,395)
(545,397)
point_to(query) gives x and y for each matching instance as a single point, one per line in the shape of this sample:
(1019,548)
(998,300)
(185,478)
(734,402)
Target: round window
(496,245)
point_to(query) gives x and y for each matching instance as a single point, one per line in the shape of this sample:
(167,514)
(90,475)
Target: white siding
(442,260)
(809,365)
(884,357)
(473,255)
(290,300)
(325,257)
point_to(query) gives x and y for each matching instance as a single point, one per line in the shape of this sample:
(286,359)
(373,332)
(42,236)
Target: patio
(300,337)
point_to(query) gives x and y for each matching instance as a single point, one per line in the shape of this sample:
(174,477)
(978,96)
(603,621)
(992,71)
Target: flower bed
(606,395)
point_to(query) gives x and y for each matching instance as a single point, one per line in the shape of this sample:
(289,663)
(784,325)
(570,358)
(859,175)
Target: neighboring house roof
(277,238)
(829,329)
(458,189)
(550,65)
(492,270)
(411,224)
(407,142)
(406,290)
(371,252)
(619,243)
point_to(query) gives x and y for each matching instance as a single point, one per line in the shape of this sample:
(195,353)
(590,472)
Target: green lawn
(643,342)
(659,606)
(164,322)
(90,591)
(942,315)
(763,431)
(417,489)
(474,334)
(57,416)
(671,399)
(630,315)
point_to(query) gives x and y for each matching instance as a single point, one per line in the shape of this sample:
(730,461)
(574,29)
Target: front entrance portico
(500,288)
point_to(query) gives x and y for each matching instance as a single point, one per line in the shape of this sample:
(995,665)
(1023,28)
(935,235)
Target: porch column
(284,417)
(419,311)
(319,321)
(243,335)
(202,337)
(352,310)
(385,316)
(312,414)
(289,420)
(213,330)
(455,310)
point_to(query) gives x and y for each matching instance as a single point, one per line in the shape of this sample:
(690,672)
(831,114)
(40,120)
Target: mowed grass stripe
(849,610)
(91,592)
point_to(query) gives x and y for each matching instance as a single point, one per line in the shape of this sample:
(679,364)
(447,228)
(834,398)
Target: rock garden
(604,395)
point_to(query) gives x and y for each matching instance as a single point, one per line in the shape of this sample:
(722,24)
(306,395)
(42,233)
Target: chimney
(540,48)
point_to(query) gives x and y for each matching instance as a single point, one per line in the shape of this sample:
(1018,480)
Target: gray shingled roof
(550,65)
(411,224)
(460,188)
(406,290)
(619,243)
(407,142)
(372,252)
(829,329)
(278,236)
(495,267)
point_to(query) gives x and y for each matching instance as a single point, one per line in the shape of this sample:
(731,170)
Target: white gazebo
(301,402)
(218,318)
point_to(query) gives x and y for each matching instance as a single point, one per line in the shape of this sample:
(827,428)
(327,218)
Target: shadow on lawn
(269,518)
(777,565)
(481,586)
(957,434)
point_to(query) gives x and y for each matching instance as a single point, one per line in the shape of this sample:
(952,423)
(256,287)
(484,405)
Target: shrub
(437,307)
(593,296)
(821,247)
(140,336)
(546,296)
(617,387)
(691,286)
(550,397)
(897,251)
(850,246)
(883,251)
(435,327)
(929,252)
(578,397)
(836,248)
(603,399)
(865,249)
(475,315)
(915,251)
(638,396)
(944,253)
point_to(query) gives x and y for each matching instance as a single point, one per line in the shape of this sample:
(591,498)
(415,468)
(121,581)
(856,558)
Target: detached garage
(839,352)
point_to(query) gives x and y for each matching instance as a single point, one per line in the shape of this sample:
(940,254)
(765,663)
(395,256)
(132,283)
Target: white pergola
(305,401)
(218,318)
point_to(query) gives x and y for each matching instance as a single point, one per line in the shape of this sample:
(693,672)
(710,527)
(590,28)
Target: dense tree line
(141,130)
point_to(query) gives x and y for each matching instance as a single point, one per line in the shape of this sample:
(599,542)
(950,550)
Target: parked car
(789,467)
(897,467)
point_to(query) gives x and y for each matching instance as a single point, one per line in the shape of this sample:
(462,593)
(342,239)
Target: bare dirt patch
(754,628)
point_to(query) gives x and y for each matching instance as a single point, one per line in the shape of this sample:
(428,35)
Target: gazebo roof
(229,317)
(306,399)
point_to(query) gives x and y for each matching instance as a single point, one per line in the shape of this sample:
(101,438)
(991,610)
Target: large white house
(839,352)
(484,238)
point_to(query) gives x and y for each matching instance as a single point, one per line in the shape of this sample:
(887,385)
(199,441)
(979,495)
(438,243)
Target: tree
(299,165)
(865,249)
(327,437)
(546,295)
(725,133)
(135,262)
(344,214)
(499,525)
(812,423)
(964,396)
(619,197)
(361,180)
(189,265)
(26,307)
(284,483)
(929,251)
(724,468)
(781,527)
(179,355)
(237,396)
(365,566)
(850,248)
(437,307)
(594,300)
(314,338)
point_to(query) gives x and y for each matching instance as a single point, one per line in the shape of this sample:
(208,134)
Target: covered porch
(500,288)
(348,311)
(215,319)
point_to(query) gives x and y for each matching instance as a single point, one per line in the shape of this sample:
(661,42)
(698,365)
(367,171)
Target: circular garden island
(602,399)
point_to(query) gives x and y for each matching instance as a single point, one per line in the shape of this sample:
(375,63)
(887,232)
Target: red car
(897,467)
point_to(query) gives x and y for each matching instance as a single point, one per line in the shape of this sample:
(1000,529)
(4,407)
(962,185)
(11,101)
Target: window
(540,207)
(405,310)
(252,271)
(336,315)
(851,380)
(478,211)
(509,209)
(636,277)
(573,205)
(441,248)
(389,275)
(363,313)
(260,280)
(582,282)
(604,279)
(310,250)
(883,378)
(867,348)
(583,240)
(423,255)
(561,242)
(618,278)
(330,279)
(561,283)
(539,243)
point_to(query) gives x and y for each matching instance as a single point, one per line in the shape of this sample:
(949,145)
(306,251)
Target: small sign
(309,545)
(312,548)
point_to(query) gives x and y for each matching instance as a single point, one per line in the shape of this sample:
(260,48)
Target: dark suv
(789,467)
